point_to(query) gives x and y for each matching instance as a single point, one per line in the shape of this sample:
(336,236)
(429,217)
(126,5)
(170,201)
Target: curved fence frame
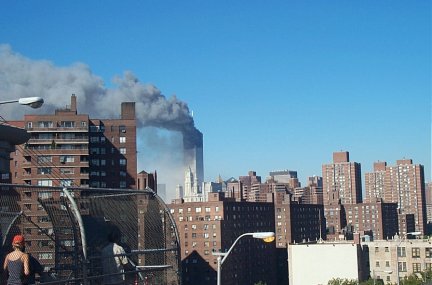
(66,229)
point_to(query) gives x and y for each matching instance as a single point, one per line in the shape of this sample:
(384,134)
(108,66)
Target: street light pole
(34,102)
(222,256)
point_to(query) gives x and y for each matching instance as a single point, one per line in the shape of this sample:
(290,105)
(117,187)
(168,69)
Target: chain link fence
(67,228)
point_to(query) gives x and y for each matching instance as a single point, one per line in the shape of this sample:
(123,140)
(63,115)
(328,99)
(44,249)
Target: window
(123,150)
(45,182)
(416,267)
(29,125)
(122,161)
(415,252)
(66,158)
(401,252)
(387,263)
(377,264)
(122,184)
(45,124)
(402,266)
(122,129)
(198,210)
(44,195)
(428,252)
(45,255)
(66,182)
(66,170)
(94,139)
(44,170)
(207,209)
(67,124)
(122,139)
(44,159)
(386,249)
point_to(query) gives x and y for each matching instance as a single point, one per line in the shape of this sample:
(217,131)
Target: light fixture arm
(225,255)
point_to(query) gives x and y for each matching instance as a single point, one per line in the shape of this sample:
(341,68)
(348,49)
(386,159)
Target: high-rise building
(341,185)
(248,181)
(428,198)
(342,180)
(405,185)
(192,191)
(213,226)
(71,149)
(193,154)
(374,182)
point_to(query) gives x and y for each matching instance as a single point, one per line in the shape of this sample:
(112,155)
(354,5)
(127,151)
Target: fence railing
(66,229)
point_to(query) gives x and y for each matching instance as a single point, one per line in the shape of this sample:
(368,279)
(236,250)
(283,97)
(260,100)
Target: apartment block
(341,185)
(399,257)
(213,226)
(375,182)
(428,198)
(377,219)
(70,149)
(297,222)
(405,185)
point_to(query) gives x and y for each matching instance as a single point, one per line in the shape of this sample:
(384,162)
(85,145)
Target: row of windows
(417,267)
(61,124)
(194,227)
(204,235)
(197,210)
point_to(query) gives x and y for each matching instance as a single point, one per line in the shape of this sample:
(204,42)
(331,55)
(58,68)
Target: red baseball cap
(18,239)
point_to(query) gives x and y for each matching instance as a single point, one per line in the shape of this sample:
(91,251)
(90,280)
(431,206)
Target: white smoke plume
(24,77)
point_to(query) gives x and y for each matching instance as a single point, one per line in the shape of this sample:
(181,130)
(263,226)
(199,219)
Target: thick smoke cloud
(23,77)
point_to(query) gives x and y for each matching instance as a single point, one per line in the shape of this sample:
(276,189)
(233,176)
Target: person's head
(114,235)
(18,242)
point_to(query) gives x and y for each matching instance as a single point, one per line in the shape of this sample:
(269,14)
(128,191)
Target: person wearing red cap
(17,262)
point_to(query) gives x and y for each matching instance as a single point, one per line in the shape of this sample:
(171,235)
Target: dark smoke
(23,77)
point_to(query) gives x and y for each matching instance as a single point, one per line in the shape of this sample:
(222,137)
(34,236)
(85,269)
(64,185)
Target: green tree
(341,281)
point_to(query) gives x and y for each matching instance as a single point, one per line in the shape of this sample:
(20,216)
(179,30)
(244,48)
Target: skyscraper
(374,182)
(342,180)
(341,185)
(405,185)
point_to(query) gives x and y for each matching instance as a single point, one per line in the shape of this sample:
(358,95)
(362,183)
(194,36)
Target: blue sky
(272,84)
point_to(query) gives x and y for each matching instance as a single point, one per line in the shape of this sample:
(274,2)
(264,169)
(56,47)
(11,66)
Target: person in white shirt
(114,260)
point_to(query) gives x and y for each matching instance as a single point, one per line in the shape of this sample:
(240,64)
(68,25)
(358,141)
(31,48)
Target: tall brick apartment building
(213,226)
(403,184)
(70,149)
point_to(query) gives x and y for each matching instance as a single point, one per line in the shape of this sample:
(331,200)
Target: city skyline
(270,87)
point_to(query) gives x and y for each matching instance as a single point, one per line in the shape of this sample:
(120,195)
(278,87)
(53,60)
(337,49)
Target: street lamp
(397,253)
(221,256)
(34,102)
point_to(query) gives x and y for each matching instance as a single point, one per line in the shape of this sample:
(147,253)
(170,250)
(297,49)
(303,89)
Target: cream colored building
(403,257)
(317,263)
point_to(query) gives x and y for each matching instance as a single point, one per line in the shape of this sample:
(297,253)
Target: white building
(317,263)
(192,192)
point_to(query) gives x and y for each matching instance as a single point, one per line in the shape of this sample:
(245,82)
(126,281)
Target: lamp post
(397,253)
(222,256)
(34,102)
